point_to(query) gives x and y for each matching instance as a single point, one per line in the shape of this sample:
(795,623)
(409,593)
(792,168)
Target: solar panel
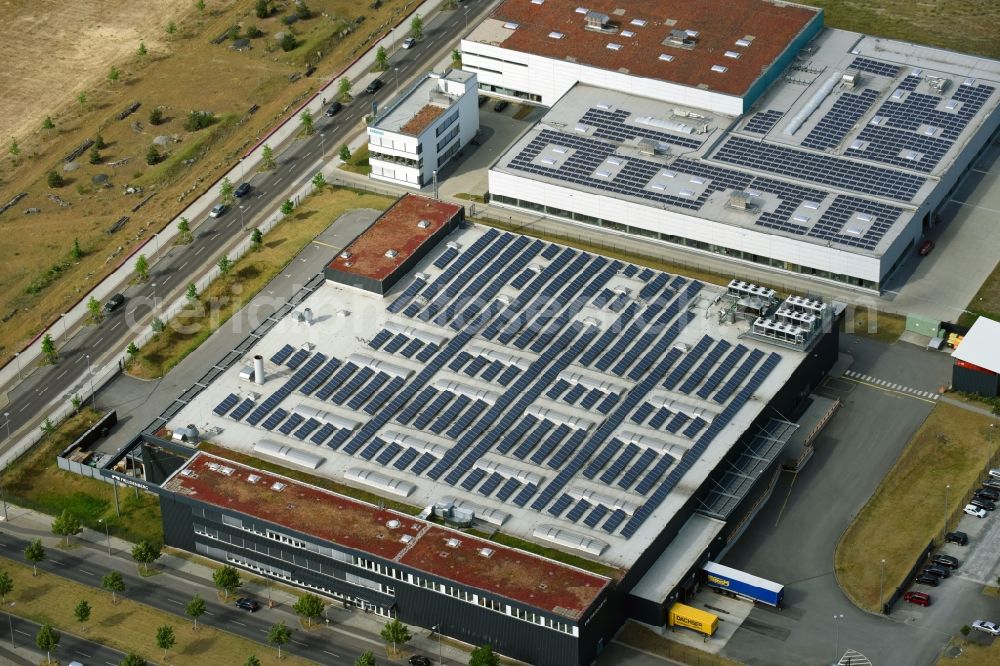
(380,339)
(659,418)
(373,447)
(388,453)
(724,369)
(710,360)
(367,390)
(578,510)
(335,382)
(522,497)
(574,394)
(432,409)
(466,419)
(396,343)
(641,414)
(363,375)
(282,354)
(321,376)
(549,443)
(322,434)
(228,403)
(763,121)
(640,466)
(422,463)
(339,438)
(274,419)
(602,458)
(293,420)
(508,489)
(445,257)
(741,373)
(689,360)
(297,358)
(403,461)
(473,479)
(508,375)
(560,505)
(409,350)
(379,399)
(595,516)
(612,523)
(618,466)
(490,484)
(404,298)
(242,410)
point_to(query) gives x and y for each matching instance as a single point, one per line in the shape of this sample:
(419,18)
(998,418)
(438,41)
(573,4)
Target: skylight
(510,25)
(666,57)
(733,54)
(628,33)
(641,23)
(614,47)
(743,42)
(720,69)
(582,10)
(556,35)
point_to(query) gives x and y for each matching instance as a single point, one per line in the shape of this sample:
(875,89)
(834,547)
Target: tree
(252,660)
(153,155)
(234,32)
(308,125)
(288,42)
(395,632)
(6,586)
(76,252)
(77,402)
(226,190)
(82,100)
(225,266)
(287,207)
(319,180)
(82,611)
(54,180)
(262,9)
(184,231)
(132,350)
(171,28)
(48,427)
(965,629)
(456,58)
(366,658)
(142,52)
(95,311)
(49,349)
(256,240)
(278,635)
(417,27)
(267,162)
(192,292)
(227,579)
(142,268)
(157,325)
(66,525)
(113,75)
(15,150)
(47,123)
(200,5)
(132,659)
(195,609)
(113,583)
(197,120)
(309,606)
(145,553)
(155,116)
(345,152)
(302,11)
(165,638)
(48,640)
(344,90)
(484,656)
(381,59)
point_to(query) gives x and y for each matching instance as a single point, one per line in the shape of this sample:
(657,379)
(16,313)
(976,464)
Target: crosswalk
(883,383)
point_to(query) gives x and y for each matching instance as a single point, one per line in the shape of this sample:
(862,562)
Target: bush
(197,120)
(54,179)
(233,33)
(302,11)
(153,155)
(156,116)
(253,32)
(262,9)
(288,42)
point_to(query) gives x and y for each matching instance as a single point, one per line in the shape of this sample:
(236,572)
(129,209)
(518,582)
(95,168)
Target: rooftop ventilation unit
(453,543)
(641,23)
(938,84)
(720,69)
(851,79)
(391,254)
(666,57)
(614,47)
(681,38)
(740,200)
(486,552)
(423,224)
(345,255)
(598,22)
(278,486)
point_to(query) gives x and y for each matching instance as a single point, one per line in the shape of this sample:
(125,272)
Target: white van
(995,473)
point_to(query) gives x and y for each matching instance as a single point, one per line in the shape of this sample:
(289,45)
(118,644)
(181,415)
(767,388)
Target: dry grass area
(948,449)
(35,481)
(969,26)
(70,50)
(986,302)
(640,637)
(969,654)
(226,296)
(129,625)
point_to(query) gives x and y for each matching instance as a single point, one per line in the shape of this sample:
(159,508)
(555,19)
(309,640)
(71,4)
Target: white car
(991,628)
(973,510)
(409,43)
(218,210)
(995,473)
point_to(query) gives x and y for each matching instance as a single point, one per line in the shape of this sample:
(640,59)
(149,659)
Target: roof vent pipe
(258,369)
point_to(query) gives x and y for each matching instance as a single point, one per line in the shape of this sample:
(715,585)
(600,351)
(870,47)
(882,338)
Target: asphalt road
(171,273)
(21,634)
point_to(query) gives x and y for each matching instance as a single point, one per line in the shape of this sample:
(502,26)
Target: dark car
(991,483)
(114,303)
(374,86)
(483,99)
(501,105)
(918,598)
(991,494)
(946,561)
(983,504)
(242,190)
(419,660)
(935,570)
(248,604)
(925,248)
(961,538)
(928,579)
(334,109)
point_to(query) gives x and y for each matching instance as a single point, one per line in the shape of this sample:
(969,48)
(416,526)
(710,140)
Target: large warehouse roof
(720,45)
(981,345)
(563,396)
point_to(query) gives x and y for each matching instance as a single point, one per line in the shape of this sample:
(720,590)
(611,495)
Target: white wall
(761,243)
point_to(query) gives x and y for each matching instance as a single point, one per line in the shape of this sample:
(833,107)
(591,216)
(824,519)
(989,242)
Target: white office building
(423,128)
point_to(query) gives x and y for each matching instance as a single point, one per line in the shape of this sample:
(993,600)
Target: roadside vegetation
(356,162)
(932,479)
(986,302)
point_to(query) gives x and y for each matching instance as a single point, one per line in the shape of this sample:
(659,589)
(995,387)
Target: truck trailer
(740,584)
(692,618)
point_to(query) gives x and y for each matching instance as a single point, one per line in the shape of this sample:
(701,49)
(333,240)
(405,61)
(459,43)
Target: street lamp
(437,628)
(395,71)
(154,295)
(6,415)
(93,396)
(107,533)
(947,492)
(17,357)
(242,226)
(836,644)
(322,145)
(881,586)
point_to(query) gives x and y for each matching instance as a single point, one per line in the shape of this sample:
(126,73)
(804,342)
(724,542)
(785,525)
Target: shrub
(197,120)
(262,9)
(288,42)
(153,155)
(54,179)
(253,32)
(156,116)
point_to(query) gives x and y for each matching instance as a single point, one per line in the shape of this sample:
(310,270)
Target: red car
(918,598)
(925,248)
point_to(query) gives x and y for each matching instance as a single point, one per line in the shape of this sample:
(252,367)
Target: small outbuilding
(977,360)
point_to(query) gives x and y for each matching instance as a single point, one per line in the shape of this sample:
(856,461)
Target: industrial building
(629,418)
(422,128)
(977,360)
(747,131)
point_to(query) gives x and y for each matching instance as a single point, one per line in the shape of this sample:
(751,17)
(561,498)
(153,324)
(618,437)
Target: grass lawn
(948,449)
(648,641)
(970,654)
(35,482)
(129,625)
(986,302)
(225,296)
(358,162)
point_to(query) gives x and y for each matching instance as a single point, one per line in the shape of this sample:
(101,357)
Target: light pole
(437,628)
(17,358)
(93,396)
(10,623)
(6,415)
(434,175)
(947,491)
(466,15)
(881,586)
(154,295)
(242,226)
(836,644)
(107,533)
(322,145)
(395,71)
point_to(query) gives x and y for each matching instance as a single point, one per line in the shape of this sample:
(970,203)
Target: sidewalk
(176,566)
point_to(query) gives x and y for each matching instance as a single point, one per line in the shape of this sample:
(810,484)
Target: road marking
(183,265)
(200,248)
(117,323)
(238,622)
(23,633)
(330,653)
(932,400)
(98,340)
(59,376)
(174,601)
(84,654)
(23,408)
(89,573)
(300,643)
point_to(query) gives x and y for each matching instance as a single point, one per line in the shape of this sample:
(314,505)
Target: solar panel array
(840,119)
(611,125)
(763,122)
(875,67)
(547,333)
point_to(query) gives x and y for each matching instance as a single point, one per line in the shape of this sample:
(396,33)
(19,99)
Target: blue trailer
(740,584)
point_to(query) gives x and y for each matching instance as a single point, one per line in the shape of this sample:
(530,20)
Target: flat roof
(757,31)
(421,119)
(415,543)
(981,345)
(397,232)
(677,558)
(413,110)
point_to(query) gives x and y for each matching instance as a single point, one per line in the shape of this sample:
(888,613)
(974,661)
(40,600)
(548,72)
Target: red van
(918,598)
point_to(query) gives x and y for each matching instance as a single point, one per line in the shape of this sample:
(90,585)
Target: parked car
(991,628)
(927,579)
(501,105)
(334,109)
(483,99)
(973,510)
(248,604)
(946,561)
(218,210)
(995,473)
(939,571)
(991,483)
(925,248)
(419,660)
(983,503)
(409,43)
(374,86)
(960,538)
(918,598)
(991,494)
(114,303)
(242,190)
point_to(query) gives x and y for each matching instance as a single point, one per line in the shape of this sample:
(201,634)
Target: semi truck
(692,618)
(740,584)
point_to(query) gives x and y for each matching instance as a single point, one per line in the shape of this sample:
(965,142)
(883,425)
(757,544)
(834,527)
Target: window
(446,123)
(492,604)
(447,138)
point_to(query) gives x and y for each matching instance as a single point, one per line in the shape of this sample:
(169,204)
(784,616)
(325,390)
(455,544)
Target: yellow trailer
(692,618)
